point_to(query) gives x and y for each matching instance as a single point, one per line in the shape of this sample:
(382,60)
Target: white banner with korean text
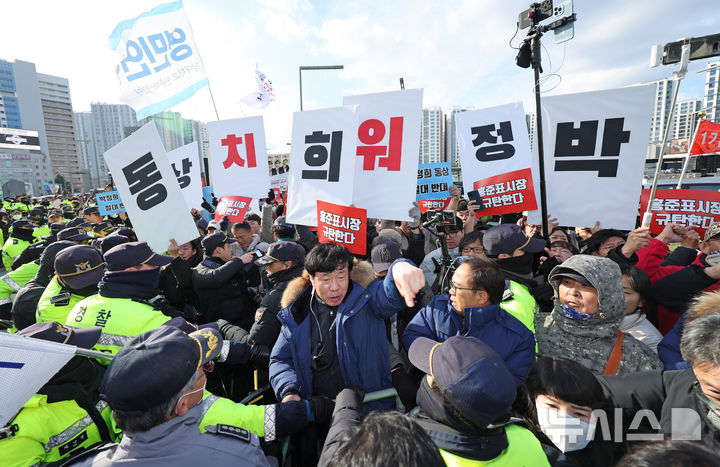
(388,144)
(322,161)
(238,157)
(595,145)
(149,189)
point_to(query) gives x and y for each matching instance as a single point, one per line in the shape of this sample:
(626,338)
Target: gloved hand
(271,195)
(415,215)
(322,407)
(260,356)
(405,386)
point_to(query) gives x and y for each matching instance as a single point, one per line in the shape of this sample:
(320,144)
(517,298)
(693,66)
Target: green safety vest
(523,449)
(19,207)
(42,231)
(218,410)
(11,282)
(50,431)
(11,250)
(521,304)
(55,303)
(121,320)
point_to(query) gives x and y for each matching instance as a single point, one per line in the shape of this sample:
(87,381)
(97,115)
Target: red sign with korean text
(430,204)
(234,207)
(506,193)
(693,208)
(707,139)
(342,225)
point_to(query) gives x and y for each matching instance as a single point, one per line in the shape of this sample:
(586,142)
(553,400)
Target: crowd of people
(457,340)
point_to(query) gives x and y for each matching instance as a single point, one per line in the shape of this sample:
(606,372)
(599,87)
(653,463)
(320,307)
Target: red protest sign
(693,208)
(431,204)
(234,207)
(707,139)
(342,225)
(506,193)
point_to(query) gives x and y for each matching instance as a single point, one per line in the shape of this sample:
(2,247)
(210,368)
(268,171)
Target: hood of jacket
(362,274)
(604,275)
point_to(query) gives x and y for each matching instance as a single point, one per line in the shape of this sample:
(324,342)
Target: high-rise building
(661,114)
(85,141)
(452,150)
(36,102)
(431,136)
(711,99)
(174,130)
(685,118)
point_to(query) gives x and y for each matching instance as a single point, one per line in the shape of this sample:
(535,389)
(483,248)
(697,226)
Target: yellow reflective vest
(523,449)
(55,303)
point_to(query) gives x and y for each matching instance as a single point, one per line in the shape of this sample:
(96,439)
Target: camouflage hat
(712,231)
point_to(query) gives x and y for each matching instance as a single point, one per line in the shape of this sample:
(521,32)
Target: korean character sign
(185,162)
(595,146)
(149,189)
(387,148)
(342,225)
(433,181)
(432,204)
(496,159)
(109,203)
(159,64)
(234,207)
(692,208)
(238,157)
(322,161)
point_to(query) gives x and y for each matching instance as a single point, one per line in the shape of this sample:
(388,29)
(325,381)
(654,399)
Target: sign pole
(689,155)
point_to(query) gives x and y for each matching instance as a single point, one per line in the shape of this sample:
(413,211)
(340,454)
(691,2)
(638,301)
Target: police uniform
(11,250)
(42,231)
(11,282)
(55,303)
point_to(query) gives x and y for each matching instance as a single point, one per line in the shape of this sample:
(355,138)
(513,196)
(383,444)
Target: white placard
(388,144)
(238,157)
(149,189)
(185,162)
(492,141)
(26,364)
(160,65)
(322,161)
(595,145)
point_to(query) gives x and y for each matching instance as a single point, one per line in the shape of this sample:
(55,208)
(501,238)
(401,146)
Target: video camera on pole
(437,221)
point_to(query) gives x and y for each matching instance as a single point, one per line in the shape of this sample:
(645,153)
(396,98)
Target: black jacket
(675,291)
(672,397)
(347,414)
(266,328)
(176,285)
(222,290)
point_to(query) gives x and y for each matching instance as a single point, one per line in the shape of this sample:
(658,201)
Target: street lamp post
(320,67)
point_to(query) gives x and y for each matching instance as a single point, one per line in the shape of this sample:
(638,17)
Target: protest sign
(433,181)
(342,225)
(707,139)
(388,144)
(26,364)
(433,204)
(595,146)
(109,203)
(238,157)
(495,157)
(692,208)
(322,161)
(279,184)
(185,162)
(149,189)
(234,207)
(159,65)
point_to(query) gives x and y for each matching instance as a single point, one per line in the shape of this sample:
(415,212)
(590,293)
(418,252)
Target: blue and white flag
(26,364)
(264,94)
(160,65)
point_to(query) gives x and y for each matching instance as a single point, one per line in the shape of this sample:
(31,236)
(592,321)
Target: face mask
(17,217)
(572,313)
(566,432)
(190,393)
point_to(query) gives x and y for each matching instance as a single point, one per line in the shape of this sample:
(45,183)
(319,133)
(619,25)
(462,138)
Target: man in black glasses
(472,309)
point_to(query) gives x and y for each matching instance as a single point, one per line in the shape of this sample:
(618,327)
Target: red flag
(707,138)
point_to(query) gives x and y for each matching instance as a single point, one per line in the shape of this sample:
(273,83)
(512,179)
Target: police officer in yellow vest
(66,415)
(37,217)
(20,238)
(78,271)
(11,282)
(464,401)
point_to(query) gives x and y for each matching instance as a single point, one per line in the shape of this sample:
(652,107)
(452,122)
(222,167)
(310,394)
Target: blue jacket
(504,333)
(361,341)
(669,348)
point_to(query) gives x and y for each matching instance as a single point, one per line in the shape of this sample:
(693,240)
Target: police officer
(143,385)
(38,218)
(66,415)
(78,271)
(92,214)
(74,234)
(20,238)
(464,401)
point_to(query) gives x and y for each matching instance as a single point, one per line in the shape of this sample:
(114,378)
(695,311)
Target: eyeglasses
(455,288)
(453,233)
(477,249)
